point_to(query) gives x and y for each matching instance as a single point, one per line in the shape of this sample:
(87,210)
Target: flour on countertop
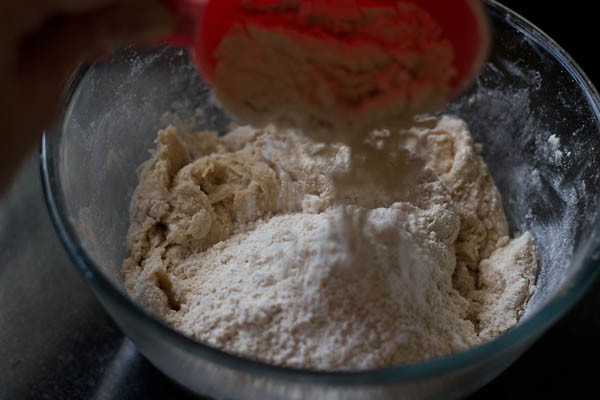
(244,242)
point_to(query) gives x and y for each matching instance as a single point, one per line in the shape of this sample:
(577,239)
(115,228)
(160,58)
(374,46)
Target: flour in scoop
(336,78)
(245,243)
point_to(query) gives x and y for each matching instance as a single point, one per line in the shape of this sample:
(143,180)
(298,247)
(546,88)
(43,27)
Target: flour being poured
(337,77)
(245,242)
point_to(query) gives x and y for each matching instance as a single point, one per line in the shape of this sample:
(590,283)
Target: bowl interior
(537,121)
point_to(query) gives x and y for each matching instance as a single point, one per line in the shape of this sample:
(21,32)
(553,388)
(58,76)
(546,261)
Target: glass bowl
(535,112)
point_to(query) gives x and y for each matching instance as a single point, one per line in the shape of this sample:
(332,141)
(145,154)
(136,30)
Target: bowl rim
(526,331)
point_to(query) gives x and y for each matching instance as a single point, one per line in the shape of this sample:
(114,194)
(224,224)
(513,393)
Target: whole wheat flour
(244,242)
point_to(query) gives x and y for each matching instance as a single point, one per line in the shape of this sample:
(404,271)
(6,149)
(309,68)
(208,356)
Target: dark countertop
(56,342)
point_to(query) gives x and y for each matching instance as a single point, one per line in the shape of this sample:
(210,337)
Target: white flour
(245,243)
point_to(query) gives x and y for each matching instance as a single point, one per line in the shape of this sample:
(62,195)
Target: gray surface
(56,342)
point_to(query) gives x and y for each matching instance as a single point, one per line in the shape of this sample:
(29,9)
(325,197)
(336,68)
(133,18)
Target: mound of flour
(244,242)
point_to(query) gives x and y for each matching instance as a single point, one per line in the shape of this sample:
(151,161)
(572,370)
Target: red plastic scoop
(202,24)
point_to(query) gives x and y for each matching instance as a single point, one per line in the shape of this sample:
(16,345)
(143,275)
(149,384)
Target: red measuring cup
(202,24)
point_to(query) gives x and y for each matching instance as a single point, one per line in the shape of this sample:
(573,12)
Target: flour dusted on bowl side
(245,243)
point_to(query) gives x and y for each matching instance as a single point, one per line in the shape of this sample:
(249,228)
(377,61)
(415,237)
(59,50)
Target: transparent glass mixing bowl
(529,90)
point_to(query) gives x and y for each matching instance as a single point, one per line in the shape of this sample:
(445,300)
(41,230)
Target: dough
(246,243)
